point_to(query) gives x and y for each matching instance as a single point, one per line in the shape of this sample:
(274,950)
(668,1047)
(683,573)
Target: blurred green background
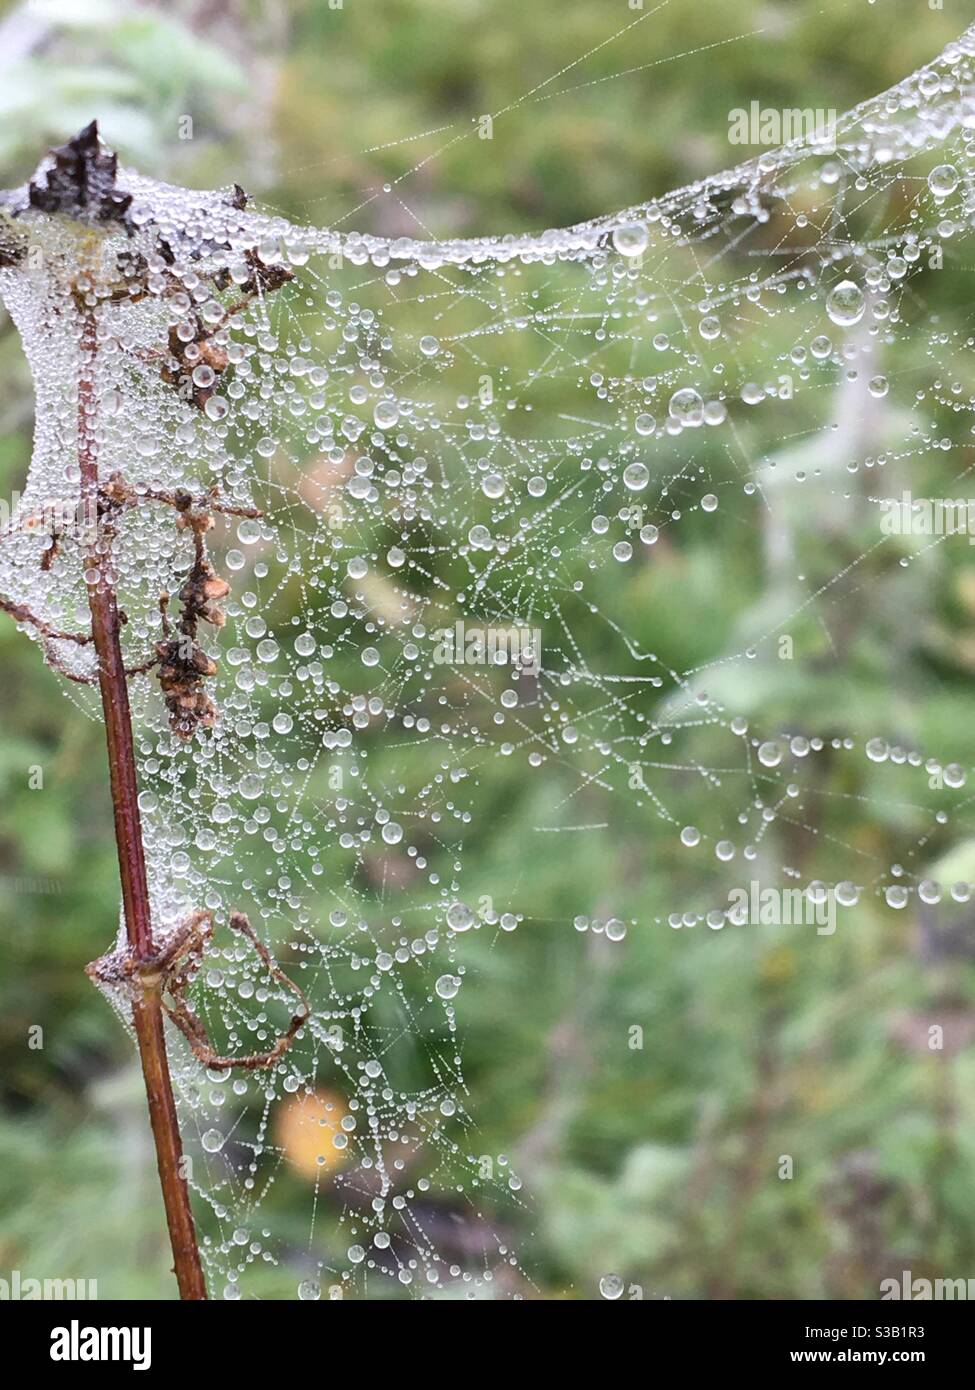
(660,1163)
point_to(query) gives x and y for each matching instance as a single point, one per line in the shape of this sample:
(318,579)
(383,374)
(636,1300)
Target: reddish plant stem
(147,1010)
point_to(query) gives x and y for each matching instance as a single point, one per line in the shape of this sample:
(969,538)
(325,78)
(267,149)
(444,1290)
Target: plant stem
(147,1009)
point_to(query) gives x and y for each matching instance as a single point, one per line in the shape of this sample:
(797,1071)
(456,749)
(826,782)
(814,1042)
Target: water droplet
(943,180)
(687,407)
(845,304)
(460,917)
(631,239)
(636,476)
(770,754)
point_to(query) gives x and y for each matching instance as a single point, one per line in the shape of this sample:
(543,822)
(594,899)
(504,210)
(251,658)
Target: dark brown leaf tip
(79,179)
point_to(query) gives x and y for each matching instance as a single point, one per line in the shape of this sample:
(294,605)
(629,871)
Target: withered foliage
(183,666)
(81,182)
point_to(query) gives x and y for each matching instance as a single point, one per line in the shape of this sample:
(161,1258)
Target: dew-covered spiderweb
(458,531)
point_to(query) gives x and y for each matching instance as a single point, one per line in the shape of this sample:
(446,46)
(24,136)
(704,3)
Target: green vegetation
(660,1163)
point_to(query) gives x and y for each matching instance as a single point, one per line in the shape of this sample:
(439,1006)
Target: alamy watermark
(813,906)
(774,126)
(511,644)
(926,1290)
(908,515)
(55,517)
(78,1343)
(19,884)
(19,1288)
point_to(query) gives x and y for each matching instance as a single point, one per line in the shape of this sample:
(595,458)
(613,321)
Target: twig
(170,970)
(21,614)
(79,180)
(147,1014)
(121,493)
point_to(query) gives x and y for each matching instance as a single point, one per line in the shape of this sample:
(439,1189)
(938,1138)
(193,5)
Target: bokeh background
(657,1163)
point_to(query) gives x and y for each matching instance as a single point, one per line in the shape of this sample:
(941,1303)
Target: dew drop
(845,304)
(687,407)
(770,754)
(459,917)
(943,180)
(631,239)
(636,476)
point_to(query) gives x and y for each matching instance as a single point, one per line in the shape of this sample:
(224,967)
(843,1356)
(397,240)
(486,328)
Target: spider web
(739,353)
